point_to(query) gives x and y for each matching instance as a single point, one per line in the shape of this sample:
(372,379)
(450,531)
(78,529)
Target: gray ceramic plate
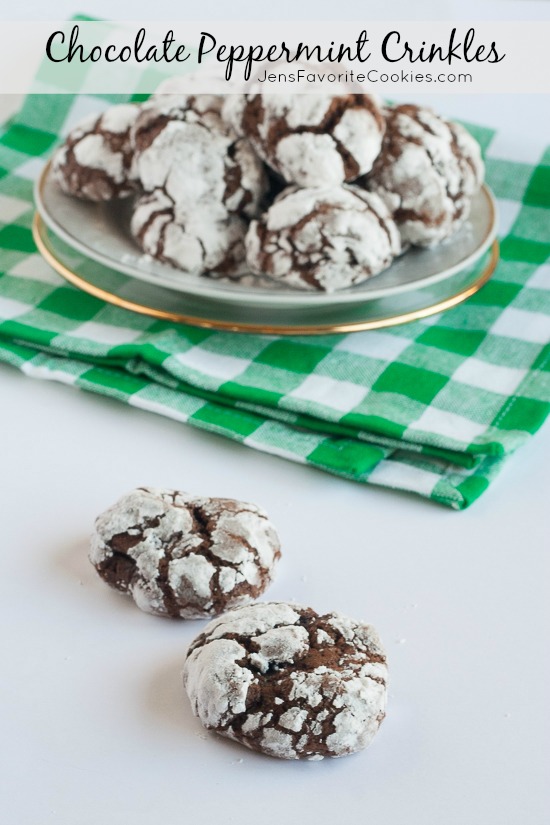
(101,232)
(161,302)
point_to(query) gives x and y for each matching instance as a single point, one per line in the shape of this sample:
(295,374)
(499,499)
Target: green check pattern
(434,407)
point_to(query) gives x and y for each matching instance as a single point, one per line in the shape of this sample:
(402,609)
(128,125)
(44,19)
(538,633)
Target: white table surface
(95,728)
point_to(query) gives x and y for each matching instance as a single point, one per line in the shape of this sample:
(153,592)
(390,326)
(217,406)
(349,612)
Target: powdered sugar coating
(310,138)
(204,240)
(200,183)
(323,238)
(170,98)
(184,556)
(94,162)
(186,150)
(281,679)
(427,172)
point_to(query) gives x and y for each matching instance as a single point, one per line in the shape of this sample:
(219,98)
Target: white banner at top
(224,57)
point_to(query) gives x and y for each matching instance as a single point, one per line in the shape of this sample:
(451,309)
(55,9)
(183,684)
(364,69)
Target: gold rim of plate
(39,232)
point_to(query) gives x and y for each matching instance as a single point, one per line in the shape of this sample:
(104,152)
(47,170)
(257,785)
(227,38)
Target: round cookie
(326,238)
(195,158)
(286,681)
(310,139)
(94,162)
(206,240)
(426,173)
(170,98)
(184,556)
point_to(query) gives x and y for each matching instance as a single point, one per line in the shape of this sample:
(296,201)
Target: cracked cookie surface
(189,152)
(202,183)
(204,240)
(323,238)
(184,556)
(427,172)
(286,681)
(310,138)
(170,97)
(95,160)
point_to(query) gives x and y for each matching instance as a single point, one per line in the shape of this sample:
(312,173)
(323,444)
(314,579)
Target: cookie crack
(173,609)
(118,568)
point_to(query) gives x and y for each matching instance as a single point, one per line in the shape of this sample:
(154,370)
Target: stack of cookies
(319,192)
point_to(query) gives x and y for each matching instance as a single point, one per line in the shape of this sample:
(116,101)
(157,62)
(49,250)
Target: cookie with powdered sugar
(324,238)
(286,681)
(95,160)
(171,97)
(184,556)
(309,139)
(187,151)
(427,172)
(206,240)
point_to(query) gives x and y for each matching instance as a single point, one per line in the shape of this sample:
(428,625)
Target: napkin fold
(433,407)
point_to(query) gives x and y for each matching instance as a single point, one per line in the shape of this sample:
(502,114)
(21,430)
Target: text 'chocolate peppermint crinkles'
(427,172)
(310,138)
(184,556)
(95,160)
(324,238)
(283,680)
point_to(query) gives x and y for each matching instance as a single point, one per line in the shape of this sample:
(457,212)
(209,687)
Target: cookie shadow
(167,701)
(69,560)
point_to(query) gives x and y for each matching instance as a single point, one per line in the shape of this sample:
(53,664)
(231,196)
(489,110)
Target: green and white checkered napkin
(433,407)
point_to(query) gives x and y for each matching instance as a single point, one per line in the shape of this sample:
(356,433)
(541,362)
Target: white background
(95,728)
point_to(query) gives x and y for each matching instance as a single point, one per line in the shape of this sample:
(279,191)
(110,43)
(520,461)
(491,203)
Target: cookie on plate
(323,238)
(427,172)
(184,556)
(310,139)
(195,158)
(286,681)
(171,98)
(206,240)
(95,160)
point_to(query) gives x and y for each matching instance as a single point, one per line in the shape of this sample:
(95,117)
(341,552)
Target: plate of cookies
(272,202)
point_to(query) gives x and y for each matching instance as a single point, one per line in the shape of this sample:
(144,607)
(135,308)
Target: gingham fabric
(432,407)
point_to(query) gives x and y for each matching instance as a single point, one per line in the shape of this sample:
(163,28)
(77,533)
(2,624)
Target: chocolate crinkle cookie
(201,184)
(286,681)
(310,139)
(187,151)
(170,98)
(183,556)
(324,238)
(205,240)
(427,172)
(95,160)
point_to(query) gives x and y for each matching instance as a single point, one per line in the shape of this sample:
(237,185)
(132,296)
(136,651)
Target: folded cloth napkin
(433,407)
